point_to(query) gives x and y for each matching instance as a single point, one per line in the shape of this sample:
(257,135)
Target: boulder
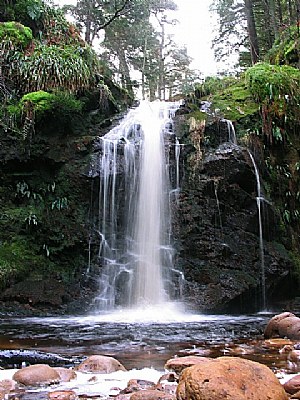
(62,395)
(65,374)
(230,378)
(7,385)
(178,364)
(277,343)
(100,364)
(294,356)
(168,383)
(283,325)
(151,395)
(292,386)
(36,375)
(134,385)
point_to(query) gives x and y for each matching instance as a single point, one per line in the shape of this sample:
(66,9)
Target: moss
(15,32)
(277,89)
(17,258)
(42,101)
(198,115)
(235,102)
(213,84)
(294,255)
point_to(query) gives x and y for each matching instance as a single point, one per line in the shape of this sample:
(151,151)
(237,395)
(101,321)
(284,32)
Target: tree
(252,33)
(252,24)
(140,46)
(92,16)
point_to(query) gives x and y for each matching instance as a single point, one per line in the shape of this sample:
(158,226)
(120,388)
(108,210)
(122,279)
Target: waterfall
(259,200)
(231,131)
(134,220)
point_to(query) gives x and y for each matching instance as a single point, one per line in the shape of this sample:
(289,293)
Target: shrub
(16,33)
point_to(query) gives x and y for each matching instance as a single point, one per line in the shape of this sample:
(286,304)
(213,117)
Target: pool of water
(139,338)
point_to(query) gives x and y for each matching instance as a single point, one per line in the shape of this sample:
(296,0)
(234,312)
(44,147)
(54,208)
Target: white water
(259,200)
(150,222)
(231,131)
(134,225)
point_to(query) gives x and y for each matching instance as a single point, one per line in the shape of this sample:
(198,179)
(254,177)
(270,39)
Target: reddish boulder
(7,385)
(62,395)
(36,375)
(65,374)
(151,395)
(100,364)
(292,385)
(277,343)
(178,364)
(135,385)
(230,378)
(283,325)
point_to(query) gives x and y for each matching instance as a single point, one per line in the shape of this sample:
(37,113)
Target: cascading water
(259,200)
(231,131)
(134,225)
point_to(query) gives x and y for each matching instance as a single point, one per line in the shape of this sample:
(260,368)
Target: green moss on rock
(235,102)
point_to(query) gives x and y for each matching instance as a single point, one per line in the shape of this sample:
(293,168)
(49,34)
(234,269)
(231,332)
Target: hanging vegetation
(286,48)
(50,67)
(277,90)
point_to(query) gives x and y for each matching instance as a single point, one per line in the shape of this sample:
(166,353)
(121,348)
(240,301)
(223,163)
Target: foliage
(286,48)
(24,11)
(16,33)
(93,16)
(231,32)
(32,9)
(242,27)
(51,67)
(16,259)
(277,89)
(37,106)
(213,84)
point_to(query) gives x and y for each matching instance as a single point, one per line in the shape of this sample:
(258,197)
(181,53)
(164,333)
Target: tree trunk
(274,24)
(124,70)
(88,24)
(143,68)
(161,78)
(280,13)
(251,28)
(269,32)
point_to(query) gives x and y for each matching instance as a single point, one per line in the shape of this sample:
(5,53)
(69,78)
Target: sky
(195,30)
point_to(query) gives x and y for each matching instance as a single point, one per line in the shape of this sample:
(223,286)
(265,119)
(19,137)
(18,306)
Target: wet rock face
(49,292)
(217,233)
